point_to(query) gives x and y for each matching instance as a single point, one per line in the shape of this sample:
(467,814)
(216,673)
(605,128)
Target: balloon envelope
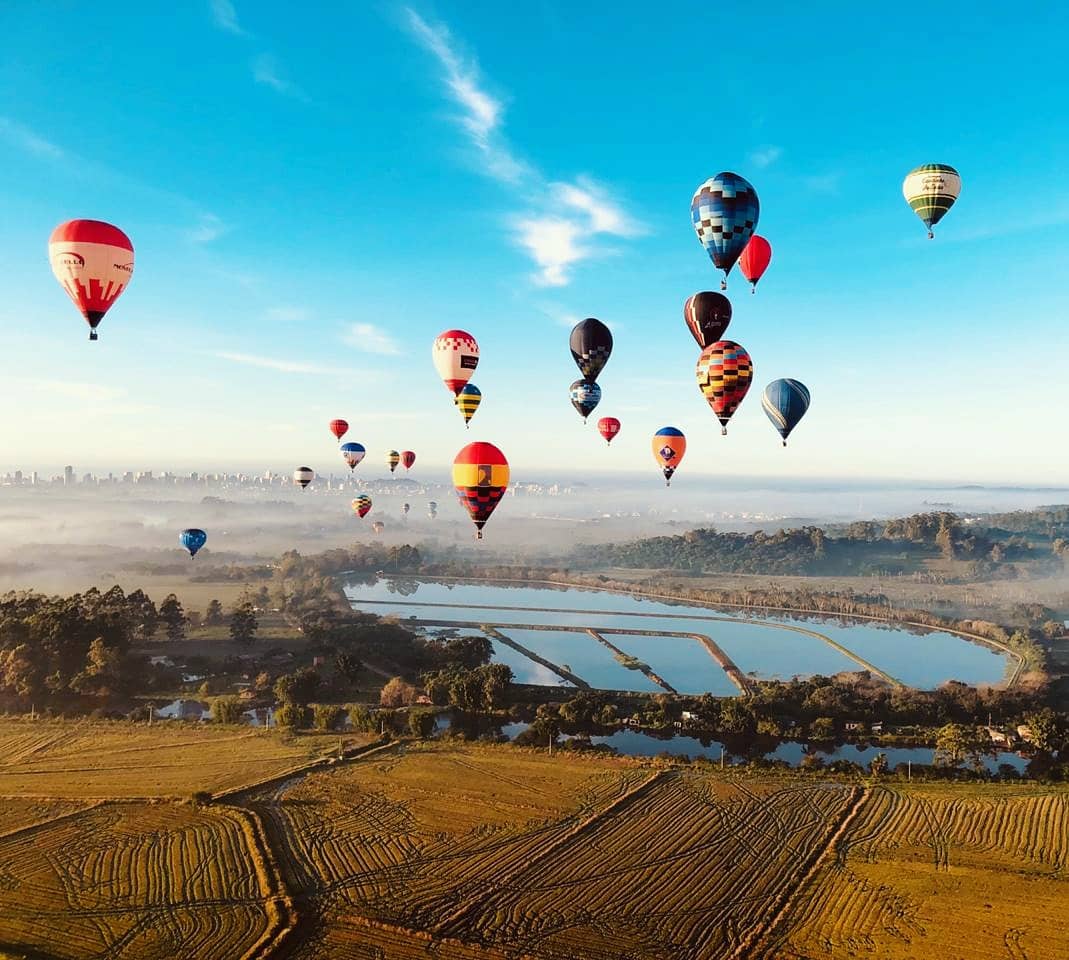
(362,505)
(378,526)
(668,446)
(481,477)
(755,258)
(407,459)
(353,453)
(724,211)
(707,315)
(93,261)
(724,373)
(303,476)
(591,345)
(456,355)
(931,190)
(339,428)
(608,427)
(585,396)
(392,459)
(468,401)
(785,403)
(192,539)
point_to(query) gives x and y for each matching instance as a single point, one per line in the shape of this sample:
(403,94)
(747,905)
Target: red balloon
(339,428)
(755,258)
(608,427)
(408,458)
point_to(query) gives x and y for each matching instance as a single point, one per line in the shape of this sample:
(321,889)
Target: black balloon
(591,343)
(707,315)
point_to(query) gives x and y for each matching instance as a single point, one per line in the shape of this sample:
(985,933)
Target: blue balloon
(785,403)
(585,396)
(724,210)
(192,540)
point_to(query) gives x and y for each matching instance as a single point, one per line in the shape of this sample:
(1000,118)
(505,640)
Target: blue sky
(313,198)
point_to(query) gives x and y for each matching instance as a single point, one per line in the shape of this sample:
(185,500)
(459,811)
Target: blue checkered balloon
(725,210)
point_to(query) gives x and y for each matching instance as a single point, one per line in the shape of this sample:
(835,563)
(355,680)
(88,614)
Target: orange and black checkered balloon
(724,374)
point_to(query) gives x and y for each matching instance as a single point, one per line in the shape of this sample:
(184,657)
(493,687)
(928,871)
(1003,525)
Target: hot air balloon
(754,260)
(456,355)
(407,459)
(303,476)
(93,261)
(586,395)
(785,403)
(669,445)
(468,401)
(404,509)
(353,453)
(192,539)
(378,526)
(724,373)
(591,344)
(481,476)
(339,428)
(931,190)
(724,210)
(432,509)
(707,315)
(392,459)
(608,427)
(362,505)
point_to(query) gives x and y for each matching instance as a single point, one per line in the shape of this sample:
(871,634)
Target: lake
(765,646)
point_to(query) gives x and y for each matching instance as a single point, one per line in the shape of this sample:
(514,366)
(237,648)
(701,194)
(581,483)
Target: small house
(183,710)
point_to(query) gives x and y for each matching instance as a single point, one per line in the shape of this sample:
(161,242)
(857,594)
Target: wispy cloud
(765,156)
(267,70)
(563,217)
(208,229)
(270,363)
(822,183)
(225,17)
(370,339)
(26,140)
(287,314)
(560,316)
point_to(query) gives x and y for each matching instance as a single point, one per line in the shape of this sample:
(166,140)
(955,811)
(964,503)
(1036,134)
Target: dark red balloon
(707,315)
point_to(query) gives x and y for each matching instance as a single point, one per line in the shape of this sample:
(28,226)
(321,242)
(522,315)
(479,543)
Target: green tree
(213,616)
(291,715)
(496,679)
(173,617)
(823,728)
(878,765)
(227,710)
(736,718)
(398,693)
(956,743)
(362,719)
(298,688)
(243,623)
(102,669)
(1043,732)
(348,666)
(327,716)
(421,723)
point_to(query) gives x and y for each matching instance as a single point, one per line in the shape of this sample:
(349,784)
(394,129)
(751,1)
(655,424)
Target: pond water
(635,743)
(784,648)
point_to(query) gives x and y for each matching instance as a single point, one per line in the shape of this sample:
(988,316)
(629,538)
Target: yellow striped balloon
(468,401)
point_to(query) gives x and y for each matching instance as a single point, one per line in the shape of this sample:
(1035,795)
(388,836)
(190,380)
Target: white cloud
(370,339)
(269,363)
(267,70)
(592,199)
(553,244)
(208,229)
(823,183)
(225,17)
(287,314)
(25,139)
(765,157)
(560,316)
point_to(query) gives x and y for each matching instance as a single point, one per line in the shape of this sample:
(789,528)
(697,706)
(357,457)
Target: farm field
(494,852)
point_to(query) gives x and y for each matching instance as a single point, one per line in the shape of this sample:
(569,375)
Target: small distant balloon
(93,261)
(378,526)
(392,459)
(339,428)
(724,210)
(931,190)
(724,373)
(481,477)
(353,453)
(785,403)
(407,459)
(707,315)
(192,539)
(585,396)
(432,509)
(303,476)
(468,401)
(456,355)
(754,260)
(591,346)
(608,427)
(405,508)
(362,505)
(668,446)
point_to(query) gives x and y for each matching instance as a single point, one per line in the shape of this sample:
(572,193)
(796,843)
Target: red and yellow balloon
(481,477)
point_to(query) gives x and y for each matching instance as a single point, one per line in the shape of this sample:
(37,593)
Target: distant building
(184,710)
(68,476)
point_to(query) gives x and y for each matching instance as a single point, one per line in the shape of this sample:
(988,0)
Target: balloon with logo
(931,190)
(456,355)
(93,261)
(585,396)
(192,539)
(591,346)
(481,477)
(303,476)
(407,459)
(608,427)
(754,260)
(392,459)
(707,315)
(724,373)
(353,453)
(468,401)
(362,505)
(339,428)
(668,446)
(724,211)
(785,403)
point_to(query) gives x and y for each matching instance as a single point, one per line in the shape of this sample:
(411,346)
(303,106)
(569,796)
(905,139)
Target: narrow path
(494,634)
(625,659)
